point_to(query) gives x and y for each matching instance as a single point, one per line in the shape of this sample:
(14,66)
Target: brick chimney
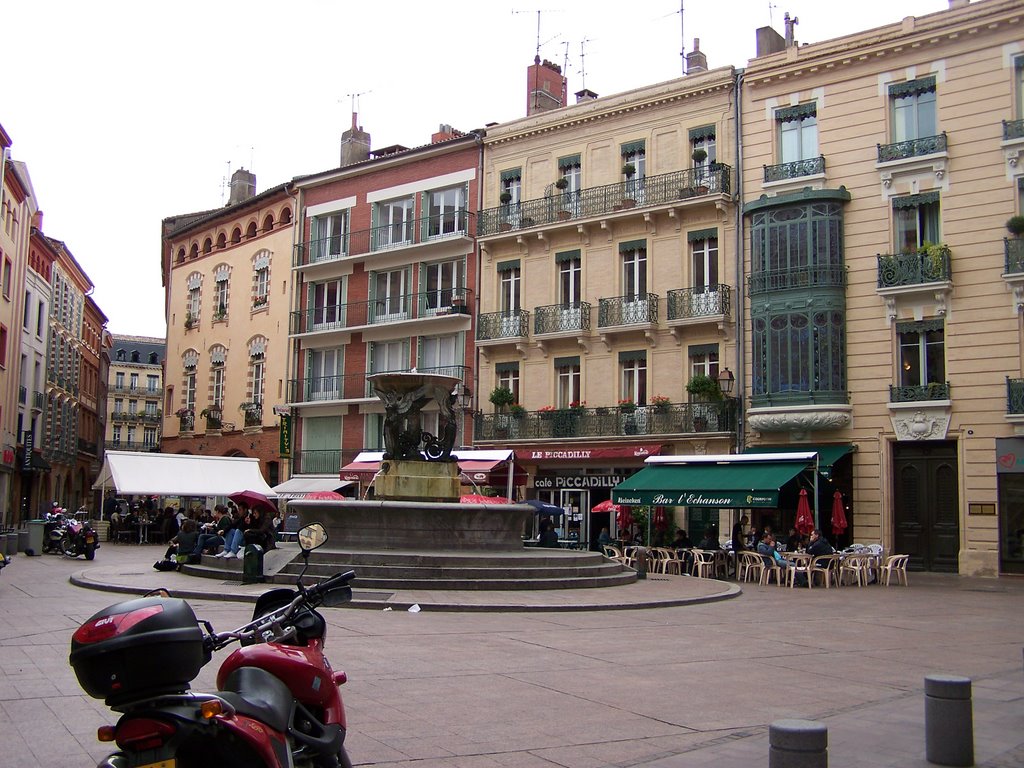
(585,95)
(695,60)
(444,133)
(243,186)
(355,144)
(546,87)
(768,42)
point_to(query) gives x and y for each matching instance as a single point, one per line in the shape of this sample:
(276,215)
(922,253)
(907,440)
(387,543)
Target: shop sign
(712,499)
(550,482)
(588,454)
(285,437)
(1009,455)
(8,456)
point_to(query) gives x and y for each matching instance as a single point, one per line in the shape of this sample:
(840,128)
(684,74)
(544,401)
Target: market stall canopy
(727,481)
(179,474)
(298,487)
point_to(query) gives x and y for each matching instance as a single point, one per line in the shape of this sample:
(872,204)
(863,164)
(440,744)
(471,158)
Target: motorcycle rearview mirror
(312,537)
(338,597)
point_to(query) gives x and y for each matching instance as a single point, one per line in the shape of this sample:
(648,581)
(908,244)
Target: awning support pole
(817,522)
(511,472)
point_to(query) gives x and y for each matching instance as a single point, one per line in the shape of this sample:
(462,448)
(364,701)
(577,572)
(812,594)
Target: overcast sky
(128,112)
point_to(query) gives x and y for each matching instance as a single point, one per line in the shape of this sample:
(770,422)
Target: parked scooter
(277,702)
(53,530)
(78,538)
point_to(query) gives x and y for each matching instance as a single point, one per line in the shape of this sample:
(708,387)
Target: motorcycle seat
(256,693)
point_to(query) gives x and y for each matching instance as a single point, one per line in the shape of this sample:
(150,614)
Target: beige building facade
(135,393)
(227,278)
(884,318)
(608,275)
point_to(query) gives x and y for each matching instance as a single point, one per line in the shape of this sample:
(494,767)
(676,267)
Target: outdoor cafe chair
(894,564)
(825,565)
(613,553)
(857,568)
(751,567)
(673,563)
(772,570)
(704,563)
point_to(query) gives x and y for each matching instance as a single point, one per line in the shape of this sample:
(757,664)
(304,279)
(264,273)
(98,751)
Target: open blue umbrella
(544,508)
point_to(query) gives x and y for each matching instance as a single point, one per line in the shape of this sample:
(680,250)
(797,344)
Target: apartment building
(884,323)
(227,285)
(384,276)
(608,284)
(134,407)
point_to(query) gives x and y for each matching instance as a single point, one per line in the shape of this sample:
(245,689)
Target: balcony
(578,422)
(214,418)
(665,189)
(903,150)
(814,166)
(695,306)
(1013,129)
(1014,250)
(118,445)
(797,277)
(1014,396)
(317,462)
(919,393)
(23,395)
(623,314)
(926,274)
(445,307)
(252,415)
(89,447)
(353,386)
(186,421)
(420,233)
(502,327)
(38,398)
(561,318)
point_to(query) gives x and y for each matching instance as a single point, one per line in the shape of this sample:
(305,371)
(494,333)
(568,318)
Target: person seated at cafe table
(794,541)
(819,545)
(548,535)
(682,540)
(710,540)
(768,550)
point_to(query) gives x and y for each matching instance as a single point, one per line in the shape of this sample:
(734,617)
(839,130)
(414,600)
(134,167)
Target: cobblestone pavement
(686,685)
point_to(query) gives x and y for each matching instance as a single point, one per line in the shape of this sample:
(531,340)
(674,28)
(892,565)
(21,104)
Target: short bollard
(948,720)
(641,562)
(797,744)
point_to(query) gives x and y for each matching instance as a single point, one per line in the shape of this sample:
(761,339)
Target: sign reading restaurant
(718,500)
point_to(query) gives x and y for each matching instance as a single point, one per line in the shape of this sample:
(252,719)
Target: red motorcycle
(277,703)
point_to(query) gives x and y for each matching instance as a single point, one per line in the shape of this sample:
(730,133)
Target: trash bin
(36,534)
(252,564)
(12,543)
(23,540)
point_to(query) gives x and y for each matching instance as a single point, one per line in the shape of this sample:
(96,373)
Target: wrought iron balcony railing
(252,414)
(317,462)
(901,150)
(919,392)
(806,397)
(685,303)
(1013,129)
(599,201)
(640,309)
(23,395)
(491,326)
(214,418)
(670,418)
(353,386)
(901,269)
(392,309)
(795,169)
(812,276)
(1014,255)
(38,398)
(457,223)
(1014,395)
(558,318)
(186,421)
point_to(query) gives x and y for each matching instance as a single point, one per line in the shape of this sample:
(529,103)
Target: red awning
(585,453)
(479,471)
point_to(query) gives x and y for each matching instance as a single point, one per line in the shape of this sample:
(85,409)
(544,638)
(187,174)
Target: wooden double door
(926,505)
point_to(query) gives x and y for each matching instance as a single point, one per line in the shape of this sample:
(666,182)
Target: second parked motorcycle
(78,538)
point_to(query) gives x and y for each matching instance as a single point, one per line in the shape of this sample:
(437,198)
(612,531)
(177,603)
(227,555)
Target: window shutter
(914,201)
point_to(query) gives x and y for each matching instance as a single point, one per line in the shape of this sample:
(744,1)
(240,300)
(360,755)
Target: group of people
(228,529)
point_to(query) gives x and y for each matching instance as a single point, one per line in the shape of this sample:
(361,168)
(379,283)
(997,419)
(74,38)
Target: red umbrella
(606,506)
(324,496)
(253,500)
(804,520)
(839,524)
(660,520)
(623,518)
(479,498)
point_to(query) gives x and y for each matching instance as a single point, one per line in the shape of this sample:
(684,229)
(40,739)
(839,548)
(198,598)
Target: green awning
(827,454)
(726,485)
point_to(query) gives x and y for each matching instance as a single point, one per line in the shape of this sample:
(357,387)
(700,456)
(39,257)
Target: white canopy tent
(299,486)
(178,474)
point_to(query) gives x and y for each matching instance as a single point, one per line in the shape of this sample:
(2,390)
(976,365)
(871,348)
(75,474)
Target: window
(634,169)
(570,269)
(330,236)
(798,132)
(633,377)
(634,269)
(27,311)
(119,380)
(134,381)
(509,287)
(8,268)
(150,408)
(40,318)
(394,223)
(221,298)
(152,384)
(117,434)
(507,376)
(438,282)
(916,221)
(704,360)
(262,287)
(704,257)
(703,138)
(218,385)
(389,290)
(922,353)
(511,182)
(192,305)
(324,381)
(570,169)
(256,374)
(913,109)
(133,406)
(326,304)
(149,438)
(3,346)
(190,391)
(439,354)
(1018,87)
(567,381)
(118,405)
(447,212)
(389,356)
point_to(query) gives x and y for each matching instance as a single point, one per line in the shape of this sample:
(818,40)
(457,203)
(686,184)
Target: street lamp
(726,381)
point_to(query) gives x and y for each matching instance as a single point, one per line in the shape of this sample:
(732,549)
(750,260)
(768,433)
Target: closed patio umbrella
(839,524)
(660,520)
(804,521)
(606,506)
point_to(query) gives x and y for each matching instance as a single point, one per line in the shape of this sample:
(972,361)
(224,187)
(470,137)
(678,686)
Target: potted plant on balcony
(221,313)
(700,183)
(501,397)
(505,217)
(661,403)
(561,185)
(1015,225)
(628,187)
(627,405)
(189,321)
(934,258)
(517,412)
(704,392)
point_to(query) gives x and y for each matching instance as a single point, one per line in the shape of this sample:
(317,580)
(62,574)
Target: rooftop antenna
(225,183)
(536,56)
(354,99)
(771,22)
(565,57)
(583,65)
(682,37)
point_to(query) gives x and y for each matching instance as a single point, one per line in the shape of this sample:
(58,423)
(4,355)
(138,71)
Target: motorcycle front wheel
(67,547)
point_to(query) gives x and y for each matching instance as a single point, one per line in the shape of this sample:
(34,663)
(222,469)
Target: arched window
(268,222)
(250,232)
(207,245)
(194,251)
(222,240)
(181,255)
(286,216)
(236,235)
